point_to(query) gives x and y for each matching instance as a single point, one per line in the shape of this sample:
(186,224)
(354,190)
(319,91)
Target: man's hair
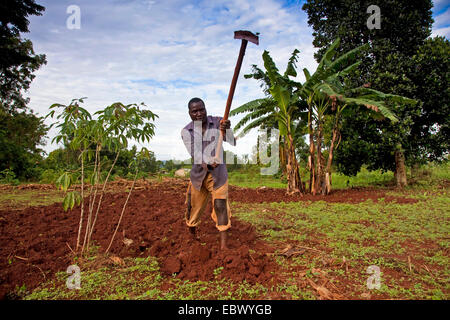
(193,100)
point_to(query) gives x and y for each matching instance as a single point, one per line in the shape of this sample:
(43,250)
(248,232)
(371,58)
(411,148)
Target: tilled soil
(353,195)
(34,242)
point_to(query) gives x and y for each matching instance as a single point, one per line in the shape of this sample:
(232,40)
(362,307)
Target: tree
(18,58)
(385,67)
(21,131)
(21,134)
(430,73)
(404,26)
(427,136)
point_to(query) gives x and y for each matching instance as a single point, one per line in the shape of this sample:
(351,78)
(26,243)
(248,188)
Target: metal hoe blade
(246,35)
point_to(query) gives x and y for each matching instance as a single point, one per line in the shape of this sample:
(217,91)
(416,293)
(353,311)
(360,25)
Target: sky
(165,52)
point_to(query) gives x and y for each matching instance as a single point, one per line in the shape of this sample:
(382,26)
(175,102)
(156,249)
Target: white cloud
(442,19)
(445,32)
(441,25)
(161,53)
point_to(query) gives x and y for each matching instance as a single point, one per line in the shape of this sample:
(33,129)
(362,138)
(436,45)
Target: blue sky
(163,53)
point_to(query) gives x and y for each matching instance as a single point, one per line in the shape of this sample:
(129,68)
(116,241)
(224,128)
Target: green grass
(20,199)
(428,175)
(253,179)
(382,233)
(364,178)
(139,279)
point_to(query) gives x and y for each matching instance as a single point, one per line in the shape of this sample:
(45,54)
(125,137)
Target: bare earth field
(281,247)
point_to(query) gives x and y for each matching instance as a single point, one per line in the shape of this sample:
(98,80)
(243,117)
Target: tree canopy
(18,60)
(21,131)
(400,60)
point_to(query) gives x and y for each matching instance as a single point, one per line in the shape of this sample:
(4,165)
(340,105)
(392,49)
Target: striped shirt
(202,149)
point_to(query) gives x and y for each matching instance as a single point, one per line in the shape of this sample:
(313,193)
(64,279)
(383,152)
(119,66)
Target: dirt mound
(200,260)
(162,232)
(34,243)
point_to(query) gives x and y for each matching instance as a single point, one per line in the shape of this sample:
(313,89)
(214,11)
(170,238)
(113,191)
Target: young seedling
(79,132)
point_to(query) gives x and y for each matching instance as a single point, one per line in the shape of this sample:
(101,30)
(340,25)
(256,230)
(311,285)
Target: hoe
(245,36)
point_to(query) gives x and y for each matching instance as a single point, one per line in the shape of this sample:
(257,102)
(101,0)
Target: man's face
(197,111)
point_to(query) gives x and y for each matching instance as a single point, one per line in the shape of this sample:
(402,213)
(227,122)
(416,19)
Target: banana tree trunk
(400,168)
(283,157)
(312,169)
(258,161)
(292,168)
(319,175)
(330,156)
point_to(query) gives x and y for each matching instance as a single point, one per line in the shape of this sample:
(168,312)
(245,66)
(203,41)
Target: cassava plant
(113,128)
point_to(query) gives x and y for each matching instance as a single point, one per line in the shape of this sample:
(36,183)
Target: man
(208,175)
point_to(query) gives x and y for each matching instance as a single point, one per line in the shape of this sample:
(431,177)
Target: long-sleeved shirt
(202,149)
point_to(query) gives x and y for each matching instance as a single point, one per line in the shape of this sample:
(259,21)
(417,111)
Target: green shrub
(50,175)
(8,176)
(118,173)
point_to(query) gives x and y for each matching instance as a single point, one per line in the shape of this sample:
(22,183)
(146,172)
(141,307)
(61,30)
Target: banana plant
(323,94)
(276,110)
(327,83)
